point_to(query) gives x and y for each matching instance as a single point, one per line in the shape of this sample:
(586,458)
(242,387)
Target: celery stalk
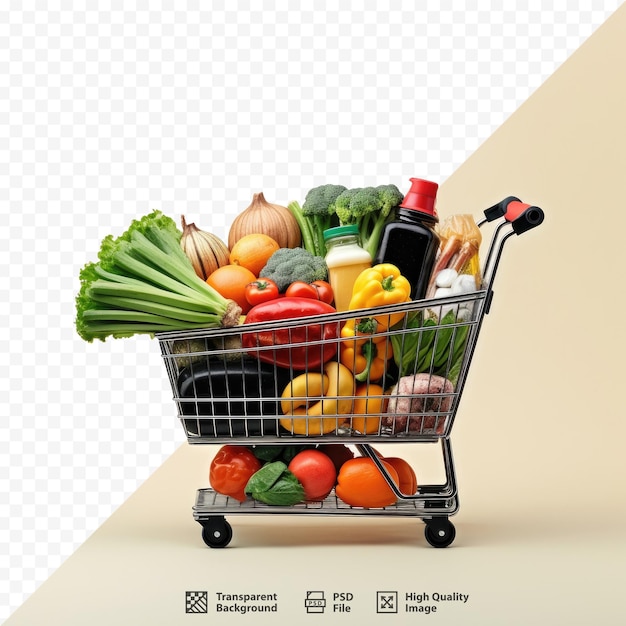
(144,283)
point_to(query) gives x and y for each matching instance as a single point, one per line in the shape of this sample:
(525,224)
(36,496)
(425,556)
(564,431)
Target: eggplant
(231,398)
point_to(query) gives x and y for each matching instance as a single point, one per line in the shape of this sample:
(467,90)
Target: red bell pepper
(231,469)
(319,340)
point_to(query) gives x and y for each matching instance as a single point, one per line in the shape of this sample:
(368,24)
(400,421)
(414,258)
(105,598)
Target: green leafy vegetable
(283,453)
(267,453)
(316,215)
(275,484)
(286,491)
(144,283)
(370,208)
(408,345)
(435,347)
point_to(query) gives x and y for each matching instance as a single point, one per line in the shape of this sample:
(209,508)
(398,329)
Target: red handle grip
(514,209)
(520,215)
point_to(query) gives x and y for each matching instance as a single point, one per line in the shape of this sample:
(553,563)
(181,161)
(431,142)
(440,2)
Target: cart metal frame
(208,419)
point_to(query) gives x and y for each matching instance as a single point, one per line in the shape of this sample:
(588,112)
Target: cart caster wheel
(216,532)
(440,533)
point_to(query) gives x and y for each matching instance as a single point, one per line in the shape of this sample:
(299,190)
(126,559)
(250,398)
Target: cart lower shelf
(430,505)
(433,503)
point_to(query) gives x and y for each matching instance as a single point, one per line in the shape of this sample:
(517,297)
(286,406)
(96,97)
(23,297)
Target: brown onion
(205,250)
(268,219)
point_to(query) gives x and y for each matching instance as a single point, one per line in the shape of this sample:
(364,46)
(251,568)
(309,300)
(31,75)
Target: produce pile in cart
(320,326)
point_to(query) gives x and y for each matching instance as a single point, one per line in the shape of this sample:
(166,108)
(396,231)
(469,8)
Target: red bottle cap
(421,197)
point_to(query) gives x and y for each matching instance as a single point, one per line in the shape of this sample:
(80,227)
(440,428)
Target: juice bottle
(345,259)
(410,241)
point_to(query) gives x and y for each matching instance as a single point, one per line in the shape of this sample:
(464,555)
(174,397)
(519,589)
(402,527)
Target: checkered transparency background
(109,110)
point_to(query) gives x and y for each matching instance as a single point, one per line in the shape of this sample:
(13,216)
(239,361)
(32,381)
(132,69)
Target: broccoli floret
(390,197)
(362,203)
(342,206)
(316,215)
(320,201)
(370,208)
(287,265)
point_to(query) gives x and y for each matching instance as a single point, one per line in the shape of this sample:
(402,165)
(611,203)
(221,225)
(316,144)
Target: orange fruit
(252,251)
(369,401)
(360,483)
(230,281)
(406,474)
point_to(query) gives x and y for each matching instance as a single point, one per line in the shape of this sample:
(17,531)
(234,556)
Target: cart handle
(518,218)
(520,215)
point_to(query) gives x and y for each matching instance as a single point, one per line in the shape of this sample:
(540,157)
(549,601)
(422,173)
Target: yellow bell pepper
(381,285)
(366,356)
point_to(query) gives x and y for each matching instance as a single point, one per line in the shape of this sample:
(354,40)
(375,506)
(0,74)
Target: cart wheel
(216,532)
(440,533)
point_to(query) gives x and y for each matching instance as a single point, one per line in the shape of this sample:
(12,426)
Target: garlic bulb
(268,219)
(205,250)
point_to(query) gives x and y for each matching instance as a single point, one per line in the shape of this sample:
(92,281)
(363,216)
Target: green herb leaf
(263,479)
(286,491)
(275,484)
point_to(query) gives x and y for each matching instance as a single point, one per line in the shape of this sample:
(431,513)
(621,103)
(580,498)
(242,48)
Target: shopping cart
(228,389)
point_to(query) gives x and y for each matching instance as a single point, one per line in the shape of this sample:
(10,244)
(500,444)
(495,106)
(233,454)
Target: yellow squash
(312,401)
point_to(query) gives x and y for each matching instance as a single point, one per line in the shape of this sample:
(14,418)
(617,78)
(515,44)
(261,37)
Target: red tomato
(261,290)
(316,473)
(301,289)
(324,291)
(231,470)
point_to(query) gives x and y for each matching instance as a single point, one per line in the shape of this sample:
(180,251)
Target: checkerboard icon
(196,601)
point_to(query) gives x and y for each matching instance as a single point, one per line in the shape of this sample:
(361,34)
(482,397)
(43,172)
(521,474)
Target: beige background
(539,442)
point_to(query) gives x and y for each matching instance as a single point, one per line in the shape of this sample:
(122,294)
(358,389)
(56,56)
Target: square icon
(386,602)
(196,601)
